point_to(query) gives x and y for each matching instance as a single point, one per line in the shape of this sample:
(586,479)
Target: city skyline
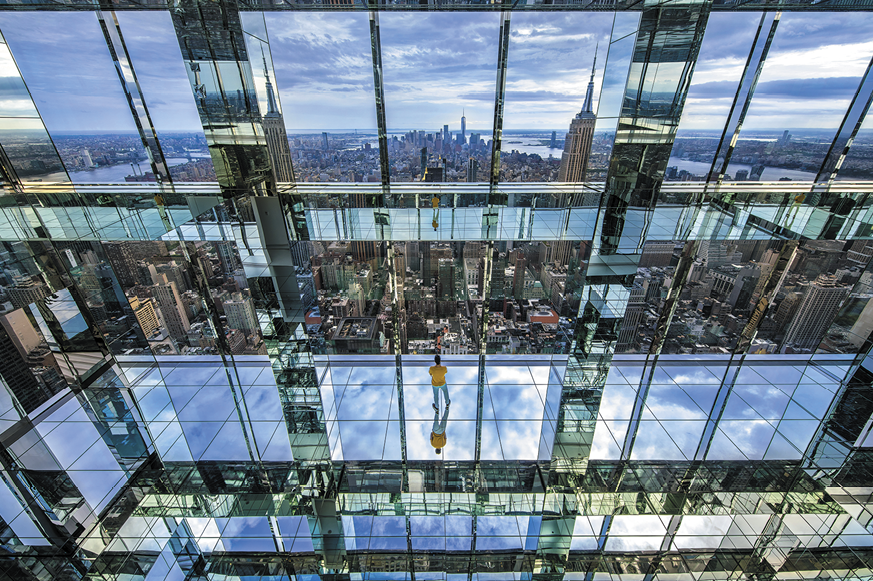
(649,380)
(806,82)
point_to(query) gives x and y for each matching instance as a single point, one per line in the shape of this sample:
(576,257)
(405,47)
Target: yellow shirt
(435,202)
(438,374)
(438,440)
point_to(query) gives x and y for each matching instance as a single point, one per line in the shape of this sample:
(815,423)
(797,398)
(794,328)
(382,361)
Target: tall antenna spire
(271,98)
(589,95)
(594,66)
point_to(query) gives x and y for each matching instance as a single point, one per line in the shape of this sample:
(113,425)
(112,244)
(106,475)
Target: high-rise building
(241,313)
(472,170)
(657,254)
(446,280)
(816,312)
(173,312)
(26,291)
(577,143)
(144,311)
(20,331)
(554,143)
(649,381)
(16,375)
(365,251)
(433,174)
(277,137)
(627,339)
(121,257)
(423,162)
(463,138)
(518,277)
(228,256)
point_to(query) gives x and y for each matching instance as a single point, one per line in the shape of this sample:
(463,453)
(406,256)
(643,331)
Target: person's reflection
(435,202)
(438,432)
(795,208)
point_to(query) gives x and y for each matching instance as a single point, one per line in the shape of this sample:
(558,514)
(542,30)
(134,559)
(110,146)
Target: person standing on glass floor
(438,381)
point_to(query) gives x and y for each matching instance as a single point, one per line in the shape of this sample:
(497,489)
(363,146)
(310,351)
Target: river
(115,174)
(524,144)
(771,174)
(530,145)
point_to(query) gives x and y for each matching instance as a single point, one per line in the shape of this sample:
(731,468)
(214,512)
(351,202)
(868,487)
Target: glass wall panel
(615,74)
(717,74)
(72,78)
(92,271)
(809,78)
(154,51)
(22,133)
(32,371)
(165,295)
(646,302)
(550,60)
(440,72)
(858,164)
(726,282)
(345,294)
(613,416)
(772,413)
(853,324)
(51,322)
(324,78)
(536,289)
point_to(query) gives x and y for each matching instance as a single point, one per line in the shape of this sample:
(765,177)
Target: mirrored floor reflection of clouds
(365,403)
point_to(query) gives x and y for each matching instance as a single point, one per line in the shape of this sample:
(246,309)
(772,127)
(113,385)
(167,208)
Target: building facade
(662,372)
(577,143)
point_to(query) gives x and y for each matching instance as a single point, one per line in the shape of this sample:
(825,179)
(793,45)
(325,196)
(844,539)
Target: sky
(765,405)
(435,66)
(70,73)
(814,66)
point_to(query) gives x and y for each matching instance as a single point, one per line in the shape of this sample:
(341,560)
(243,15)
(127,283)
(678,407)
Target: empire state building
(577,144)
(277,138)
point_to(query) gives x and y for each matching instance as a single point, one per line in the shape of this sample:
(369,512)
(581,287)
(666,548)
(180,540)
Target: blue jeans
(439,426)
(436,394)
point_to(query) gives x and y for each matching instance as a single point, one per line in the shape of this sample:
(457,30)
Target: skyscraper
(14,370)
(703,454)
(472,170)
(274,131)
(577,144)
(463,138)
(816,312)
(172,310)
(144,311)
(423,162)
(26,291)
(241,313)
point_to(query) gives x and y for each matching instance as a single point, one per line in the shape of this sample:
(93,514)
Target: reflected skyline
(649,378)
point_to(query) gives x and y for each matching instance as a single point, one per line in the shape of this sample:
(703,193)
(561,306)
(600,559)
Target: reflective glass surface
(251,357)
